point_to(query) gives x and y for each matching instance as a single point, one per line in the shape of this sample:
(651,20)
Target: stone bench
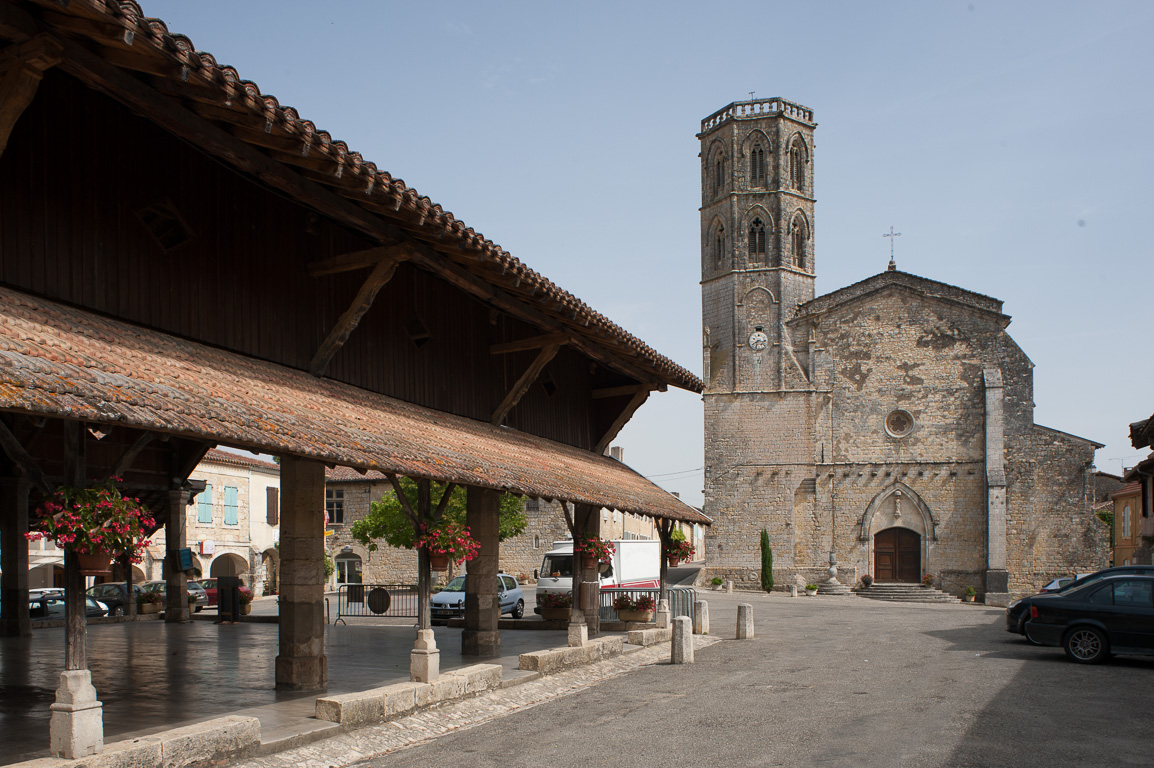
(379,704)
(556,659)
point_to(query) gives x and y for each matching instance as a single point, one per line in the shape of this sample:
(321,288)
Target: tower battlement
(756,108)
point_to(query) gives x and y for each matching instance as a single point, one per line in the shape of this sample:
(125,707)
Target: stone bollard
(729,587)
(793,590)
(425,658)
(663,614)
(745,622)
(578,634)
(701,618)
(681,647)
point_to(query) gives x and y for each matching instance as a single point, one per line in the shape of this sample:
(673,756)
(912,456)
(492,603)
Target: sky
(1008,143)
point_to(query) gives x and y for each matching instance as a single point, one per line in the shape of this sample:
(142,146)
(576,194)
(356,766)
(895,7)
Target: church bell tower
(757,243)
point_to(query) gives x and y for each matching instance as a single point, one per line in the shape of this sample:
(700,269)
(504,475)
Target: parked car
(1097,618)
(114,595)
(1018,612)
(449,603)
(51,606)
(192,588)
(209,590)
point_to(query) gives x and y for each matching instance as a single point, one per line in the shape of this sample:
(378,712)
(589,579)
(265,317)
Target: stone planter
(144,608)
(811,592)
(628,615)
(968,598)
(556,614)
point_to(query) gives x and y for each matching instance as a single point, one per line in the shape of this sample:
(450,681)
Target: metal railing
(681,600)
(376,601)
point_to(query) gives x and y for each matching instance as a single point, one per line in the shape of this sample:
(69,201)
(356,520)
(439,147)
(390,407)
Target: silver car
(194,589)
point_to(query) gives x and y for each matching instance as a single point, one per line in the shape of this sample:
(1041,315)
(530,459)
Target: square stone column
(14,618)
(482,606)
(997,575)
(176,581)
(301,663)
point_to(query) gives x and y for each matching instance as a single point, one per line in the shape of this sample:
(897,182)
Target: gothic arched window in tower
(718,174)
(757,166)
(799,236)
(757,241)
(719,244)
(797,165)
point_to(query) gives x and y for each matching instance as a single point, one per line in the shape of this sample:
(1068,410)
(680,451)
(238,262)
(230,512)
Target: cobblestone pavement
(362,744)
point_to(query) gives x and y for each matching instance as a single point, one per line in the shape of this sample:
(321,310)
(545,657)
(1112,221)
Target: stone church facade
(887,425)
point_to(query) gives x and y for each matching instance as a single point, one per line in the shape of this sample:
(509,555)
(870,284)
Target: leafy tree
(387,519)
(766,562)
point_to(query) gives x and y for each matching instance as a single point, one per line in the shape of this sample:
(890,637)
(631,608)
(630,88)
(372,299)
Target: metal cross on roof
(892,235)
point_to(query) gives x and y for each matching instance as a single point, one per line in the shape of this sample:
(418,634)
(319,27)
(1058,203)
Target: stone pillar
(301,663)
(481,637)
(424,659)
(745,622)
(14,618)
(700,618)
(76,727)
(589,523)
(997,575)
(663,614)
(176,581)
(681,646)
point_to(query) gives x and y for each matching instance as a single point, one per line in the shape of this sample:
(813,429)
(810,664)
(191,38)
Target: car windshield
(456,585)
(560,566)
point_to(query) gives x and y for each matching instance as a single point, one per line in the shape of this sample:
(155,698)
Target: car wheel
(1086,645)
(519,610)
(198,609)
(118,610)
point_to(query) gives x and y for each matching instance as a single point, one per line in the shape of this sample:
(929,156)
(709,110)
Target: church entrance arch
(898,555)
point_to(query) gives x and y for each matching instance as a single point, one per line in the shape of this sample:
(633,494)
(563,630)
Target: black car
(113,594)
(1096,619)
(51,606)
(1018,612)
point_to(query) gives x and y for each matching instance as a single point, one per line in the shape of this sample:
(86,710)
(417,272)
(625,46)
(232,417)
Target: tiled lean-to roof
(144,50)
(61,361)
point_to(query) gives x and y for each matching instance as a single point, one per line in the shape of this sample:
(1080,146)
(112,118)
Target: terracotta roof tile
(66,362)
(217,456)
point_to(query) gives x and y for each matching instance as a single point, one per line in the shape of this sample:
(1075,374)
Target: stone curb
(554,660)
(354,710)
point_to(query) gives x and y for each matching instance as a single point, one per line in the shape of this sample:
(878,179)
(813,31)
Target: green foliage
(766,562)
(387,520)
(677,535)
(716,581)
(330,566)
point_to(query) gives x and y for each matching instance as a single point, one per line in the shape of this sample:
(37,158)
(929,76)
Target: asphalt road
(834,682)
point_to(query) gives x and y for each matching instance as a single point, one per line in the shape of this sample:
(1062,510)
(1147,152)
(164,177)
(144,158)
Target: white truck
(636,564)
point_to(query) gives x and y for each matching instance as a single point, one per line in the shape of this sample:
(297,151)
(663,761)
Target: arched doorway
(230,565)
(898,555)
(348,568)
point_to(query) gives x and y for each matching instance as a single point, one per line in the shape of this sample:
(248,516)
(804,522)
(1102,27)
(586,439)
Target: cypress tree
(766,562)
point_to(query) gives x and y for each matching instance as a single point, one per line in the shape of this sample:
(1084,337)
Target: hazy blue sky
(1009,143)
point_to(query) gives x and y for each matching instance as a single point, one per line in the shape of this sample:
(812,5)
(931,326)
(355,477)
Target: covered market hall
(186,263)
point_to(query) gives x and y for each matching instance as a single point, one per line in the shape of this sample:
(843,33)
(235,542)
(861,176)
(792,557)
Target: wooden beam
(128,458)
(21,67)
(625,415)
(629,389)
(533,342)
(522,386)
(351,318)
(22,459)
(348,262)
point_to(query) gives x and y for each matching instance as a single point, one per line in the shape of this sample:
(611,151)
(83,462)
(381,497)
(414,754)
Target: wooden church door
(897,555)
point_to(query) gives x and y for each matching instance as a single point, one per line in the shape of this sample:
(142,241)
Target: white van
(636,564)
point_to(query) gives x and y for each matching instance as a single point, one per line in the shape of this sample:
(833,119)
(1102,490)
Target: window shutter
(231,516)
(272,495)
(204,505)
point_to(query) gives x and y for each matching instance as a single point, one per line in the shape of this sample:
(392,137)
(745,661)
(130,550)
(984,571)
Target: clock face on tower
(758,341)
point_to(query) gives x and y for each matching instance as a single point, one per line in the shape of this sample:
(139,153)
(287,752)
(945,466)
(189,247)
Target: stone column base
(478,642)
(997,599)
(663,614)
(997,581)
(76,727)
(302,673)
(424,659)
(578,635)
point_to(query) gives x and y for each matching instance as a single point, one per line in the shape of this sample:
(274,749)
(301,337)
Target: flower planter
(438,562)
(556,614)
(144,608)
(627,615)
(96,564)
(969,598)
(589,564)
(673,560)
(811,592)
(246,609)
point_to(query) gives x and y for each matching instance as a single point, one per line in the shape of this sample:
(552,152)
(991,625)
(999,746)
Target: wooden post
(75,622)
(664,529)
(424,588)
(14,620)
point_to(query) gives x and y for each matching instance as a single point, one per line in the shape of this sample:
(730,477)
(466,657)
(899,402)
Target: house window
(272,505)
(231,511)
(335,506)
(1126,521)
(757,167)
(757,240)
(204,505)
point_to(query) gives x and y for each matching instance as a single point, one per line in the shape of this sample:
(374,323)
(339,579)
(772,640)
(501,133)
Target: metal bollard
(681,647)
(745,622)
(701,618)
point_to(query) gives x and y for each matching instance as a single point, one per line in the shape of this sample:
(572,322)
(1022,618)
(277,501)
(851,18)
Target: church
(887,426)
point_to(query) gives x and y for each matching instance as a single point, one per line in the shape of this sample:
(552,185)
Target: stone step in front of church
(905,593)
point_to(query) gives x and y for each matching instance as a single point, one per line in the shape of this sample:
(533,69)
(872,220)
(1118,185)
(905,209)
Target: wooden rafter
(625,415)
(128,458)
(533,342)
(348,262)
(629,389)
(22,459)
(21,67)
(522,386)
(351,318)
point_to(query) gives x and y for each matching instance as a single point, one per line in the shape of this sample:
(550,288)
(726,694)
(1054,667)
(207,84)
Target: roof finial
(892,267)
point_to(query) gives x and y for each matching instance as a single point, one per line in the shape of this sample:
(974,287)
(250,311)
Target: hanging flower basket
(593,550)
(438,561)
(95,563)
(445,542)
(96,521)
(678,550)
